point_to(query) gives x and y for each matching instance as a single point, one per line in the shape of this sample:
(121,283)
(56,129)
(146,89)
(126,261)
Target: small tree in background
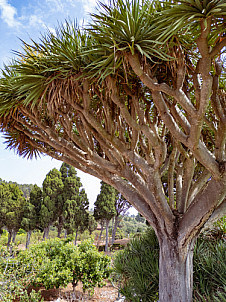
(5,196)
(104,207)
(52,202)
(121,207)
(75,214)
(31,217)
(92,223)
(75,202)
(140,218)
(14,207)
(71,187)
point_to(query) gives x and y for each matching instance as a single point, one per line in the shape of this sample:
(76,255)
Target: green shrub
(137,269)
(54,263)
(209,269)
(13,278)
(32,297)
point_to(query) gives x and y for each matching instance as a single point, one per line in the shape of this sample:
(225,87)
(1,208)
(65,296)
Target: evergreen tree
(104,207)
(75,216)
(75,212)
(52,202)
(92,223)
(12,206)
(31,217)
(5,197)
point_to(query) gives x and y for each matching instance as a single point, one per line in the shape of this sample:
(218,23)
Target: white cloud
(8,14)
(89,5)
(34,20)
(56,5)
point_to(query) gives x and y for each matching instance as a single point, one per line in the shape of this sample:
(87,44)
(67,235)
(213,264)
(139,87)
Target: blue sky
(28,19)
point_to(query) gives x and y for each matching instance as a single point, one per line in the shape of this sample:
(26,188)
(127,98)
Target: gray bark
(60,226)
(9,238)
(76,236)
(114,229)
(14,236)
(28,239)
(46,233)
(106,242)
(175,272)
(101,231)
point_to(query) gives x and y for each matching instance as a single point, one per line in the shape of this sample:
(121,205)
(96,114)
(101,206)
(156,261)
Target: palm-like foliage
(126,26)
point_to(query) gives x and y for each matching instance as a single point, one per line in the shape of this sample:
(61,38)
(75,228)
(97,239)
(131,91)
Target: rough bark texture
(46,233)
(114,229)
(28,238)
(59,226)
(106,240)
(14,236)
(175,272)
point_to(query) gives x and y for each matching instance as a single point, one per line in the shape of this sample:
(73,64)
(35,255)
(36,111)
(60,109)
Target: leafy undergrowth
(53,264)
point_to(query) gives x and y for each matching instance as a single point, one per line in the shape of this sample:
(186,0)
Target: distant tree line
(25,188)
(61,202)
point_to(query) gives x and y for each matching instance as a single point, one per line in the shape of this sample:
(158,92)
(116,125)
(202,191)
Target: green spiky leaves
(126,26)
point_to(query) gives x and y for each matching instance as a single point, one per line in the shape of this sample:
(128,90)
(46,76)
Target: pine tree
(5,197)
(31,217)
(104,207)
(75,216)
(92,223)
(52,202)
(13,207)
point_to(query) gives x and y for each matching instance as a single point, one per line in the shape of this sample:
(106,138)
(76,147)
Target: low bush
(209,269)
(55,263)
(136,269)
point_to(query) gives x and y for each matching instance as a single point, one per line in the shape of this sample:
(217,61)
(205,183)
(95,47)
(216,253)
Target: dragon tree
(137,99)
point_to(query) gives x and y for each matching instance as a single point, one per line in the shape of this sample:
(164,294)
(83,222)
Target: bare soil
(105,294)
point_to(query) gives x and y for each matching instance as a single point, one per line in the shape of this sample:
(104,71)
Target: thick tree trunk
(114,229)
(60,226)
(28,239)
(106,242)
(46,233)
(175,272)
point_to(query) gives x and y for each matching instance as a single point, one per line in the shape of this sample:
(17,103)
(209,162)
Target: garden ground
(105,294)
